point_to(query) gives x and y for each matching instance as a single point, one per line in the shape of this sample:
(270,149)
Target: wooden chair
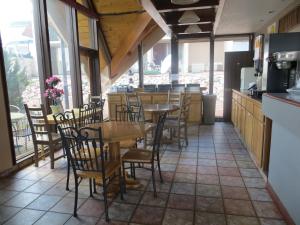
(181,121)
(144,156)
(41,133)
(99,101)
(174,98)
(85,152)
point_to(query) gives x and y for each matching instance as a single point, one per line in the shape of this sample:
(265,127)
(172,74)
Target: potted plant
(54,94)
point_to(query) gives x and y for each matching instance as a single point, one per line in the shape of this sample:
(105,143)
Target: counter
(284,165)
(195,114)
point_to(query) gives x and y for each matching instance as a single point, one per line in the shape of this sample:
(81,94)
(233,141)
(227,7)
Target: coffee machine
(281,62)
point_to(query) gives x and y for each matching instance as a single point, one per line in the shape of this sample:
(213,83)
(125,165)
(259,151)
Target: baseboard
(278,203)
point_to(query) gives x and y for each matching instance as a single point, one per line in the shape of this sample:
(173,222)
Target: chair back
(97,99)
(87,114)
(134,106)
(178,87)
(174,98)
(38,122)
(184,108)
(66,119)
(163,87)
(193,87)
(121,113)
(150,88)
(158,134)
(84,149)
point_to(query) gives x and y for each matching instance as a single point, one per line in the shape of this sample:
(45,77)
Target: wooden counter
(249,121)
(195,115)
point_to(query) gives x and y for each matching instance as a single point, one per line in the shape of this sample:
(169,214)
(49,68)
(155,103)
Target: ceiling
(171,13)
(247,16)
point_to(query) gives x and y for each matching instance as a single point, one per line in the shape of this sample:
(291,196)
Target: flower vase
(57,108)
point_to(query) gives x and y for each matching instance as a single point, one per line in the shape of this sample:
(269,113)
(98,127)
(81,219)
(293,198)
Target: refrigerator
(247,77)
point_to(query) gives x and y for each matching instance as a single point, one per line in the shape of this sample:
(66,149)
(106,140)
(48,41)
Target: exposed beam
(130,41)
(182,28)
(152,11)
(193,36)
(82,9)
(167,6)
(103,43)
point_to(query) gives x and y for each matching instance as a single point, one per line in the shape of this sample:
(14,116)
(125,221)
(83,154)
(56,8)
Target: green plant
(16,78)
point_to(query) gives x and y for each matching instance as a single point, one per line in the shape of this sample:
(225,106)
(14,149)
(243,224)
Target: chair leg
(105,201)
(153,179)
(121,181)
(68,176)
(36,155)
(51,153)
(185,135)
(178,138)
(94,184)
(124,176)
(76,196)
(159,170)
(91,187)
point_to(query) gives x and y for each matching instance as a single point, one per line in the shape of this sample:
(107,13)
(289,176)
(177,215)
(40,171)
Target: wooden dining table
(157,109)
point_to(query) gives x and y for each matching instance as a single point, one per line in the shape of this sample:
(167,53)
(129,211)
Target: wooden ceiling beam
(152,11)
(203,27)
(194,36)
(103,43)
(167,6)
(82,9)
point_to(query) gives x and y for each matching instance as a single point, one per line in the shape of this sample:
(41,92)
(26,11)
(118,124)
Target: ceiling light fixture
(193,29)
(189,17)
(184,2)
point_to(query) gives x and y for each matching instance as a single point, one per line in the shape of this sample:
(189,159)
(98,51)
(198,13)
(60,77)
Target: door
(234,61)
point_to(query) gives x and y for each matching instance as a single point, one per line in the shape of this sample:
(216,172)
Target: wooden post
(141,65)
(211,64)
(174,58)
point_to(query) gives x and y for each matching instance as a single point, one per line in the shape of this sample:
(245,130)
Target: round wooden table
(157,109)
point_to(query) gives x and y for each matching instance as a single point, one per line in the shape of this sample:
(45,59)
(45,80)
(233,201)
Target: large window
(194,62)
(59,23)
(85,66)
(18,32)
(222,46)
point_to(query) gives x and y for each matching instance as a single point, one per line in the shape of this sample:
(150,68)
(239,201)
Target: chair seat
(173,123)
(131,143)
(45,138)
(138,155)
(172,117)
(111,167)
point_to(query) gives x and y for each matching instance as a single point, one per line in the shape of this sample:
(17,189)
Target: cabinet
(247,118)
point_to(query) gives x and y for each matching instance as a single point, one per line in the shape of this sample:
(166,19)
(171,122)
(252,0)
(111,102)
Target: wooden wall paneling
(289,21)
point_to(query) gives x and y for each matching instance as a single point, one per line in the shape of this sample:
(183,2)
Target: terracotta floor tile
(229,171)
(235,193)
(242,157)
(91,207)
(224,156)
(22,199)
(226,163)
(167,167)
(131,196)
(178,217)
(259,194)
(181,202)
(208,179)
(149,199)
(205,204)
(19,184)
(267,210)
(264,221)
(254,182)
(231,181)
(44,202)
(119,211)
(83,220)
(186,169)
(148,215)
(206,156)
(160,187)
(66,205)
(25,217)
(111,222)
(192,162)
(209,170)
(183,188)
(40,187)
(189,155)
(246,164)
(207,162)
(250,173)
(238,207)
(169,160)
(6,195)
(208,190)
(53,218)
(202,218)
(7,212)
(242,220)
(185,178)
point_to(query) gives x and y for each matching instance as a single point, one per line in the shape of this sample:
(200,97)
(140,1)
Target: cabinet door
(257,141)
(238,124)
(248,130)
(232,111)
(242,121)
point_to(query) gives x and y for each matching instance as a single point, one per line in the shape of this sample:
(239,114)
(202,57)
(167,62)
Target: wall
(5,153)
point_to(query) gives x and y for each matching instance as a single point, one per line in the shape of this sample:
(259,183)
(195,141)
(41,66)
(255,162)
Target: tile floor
(211,182)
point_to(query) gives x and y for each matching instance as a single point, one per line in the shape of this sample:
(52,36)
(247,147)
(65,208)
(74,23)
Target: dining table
(157,109)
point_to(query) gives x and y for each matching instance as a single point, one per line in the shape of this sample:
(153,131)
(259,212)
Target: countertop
(247,93)
(285,97)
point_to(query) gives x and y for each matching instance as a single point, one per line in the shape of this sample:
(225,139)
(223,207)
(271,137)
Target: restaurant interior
(150,112)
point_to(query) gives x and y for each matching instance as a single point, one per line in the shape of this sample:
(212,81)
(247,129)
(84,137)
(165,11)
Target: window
(194,63)
(18,32)
(85,63)
(59,23)
(86,31)
(222,46)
